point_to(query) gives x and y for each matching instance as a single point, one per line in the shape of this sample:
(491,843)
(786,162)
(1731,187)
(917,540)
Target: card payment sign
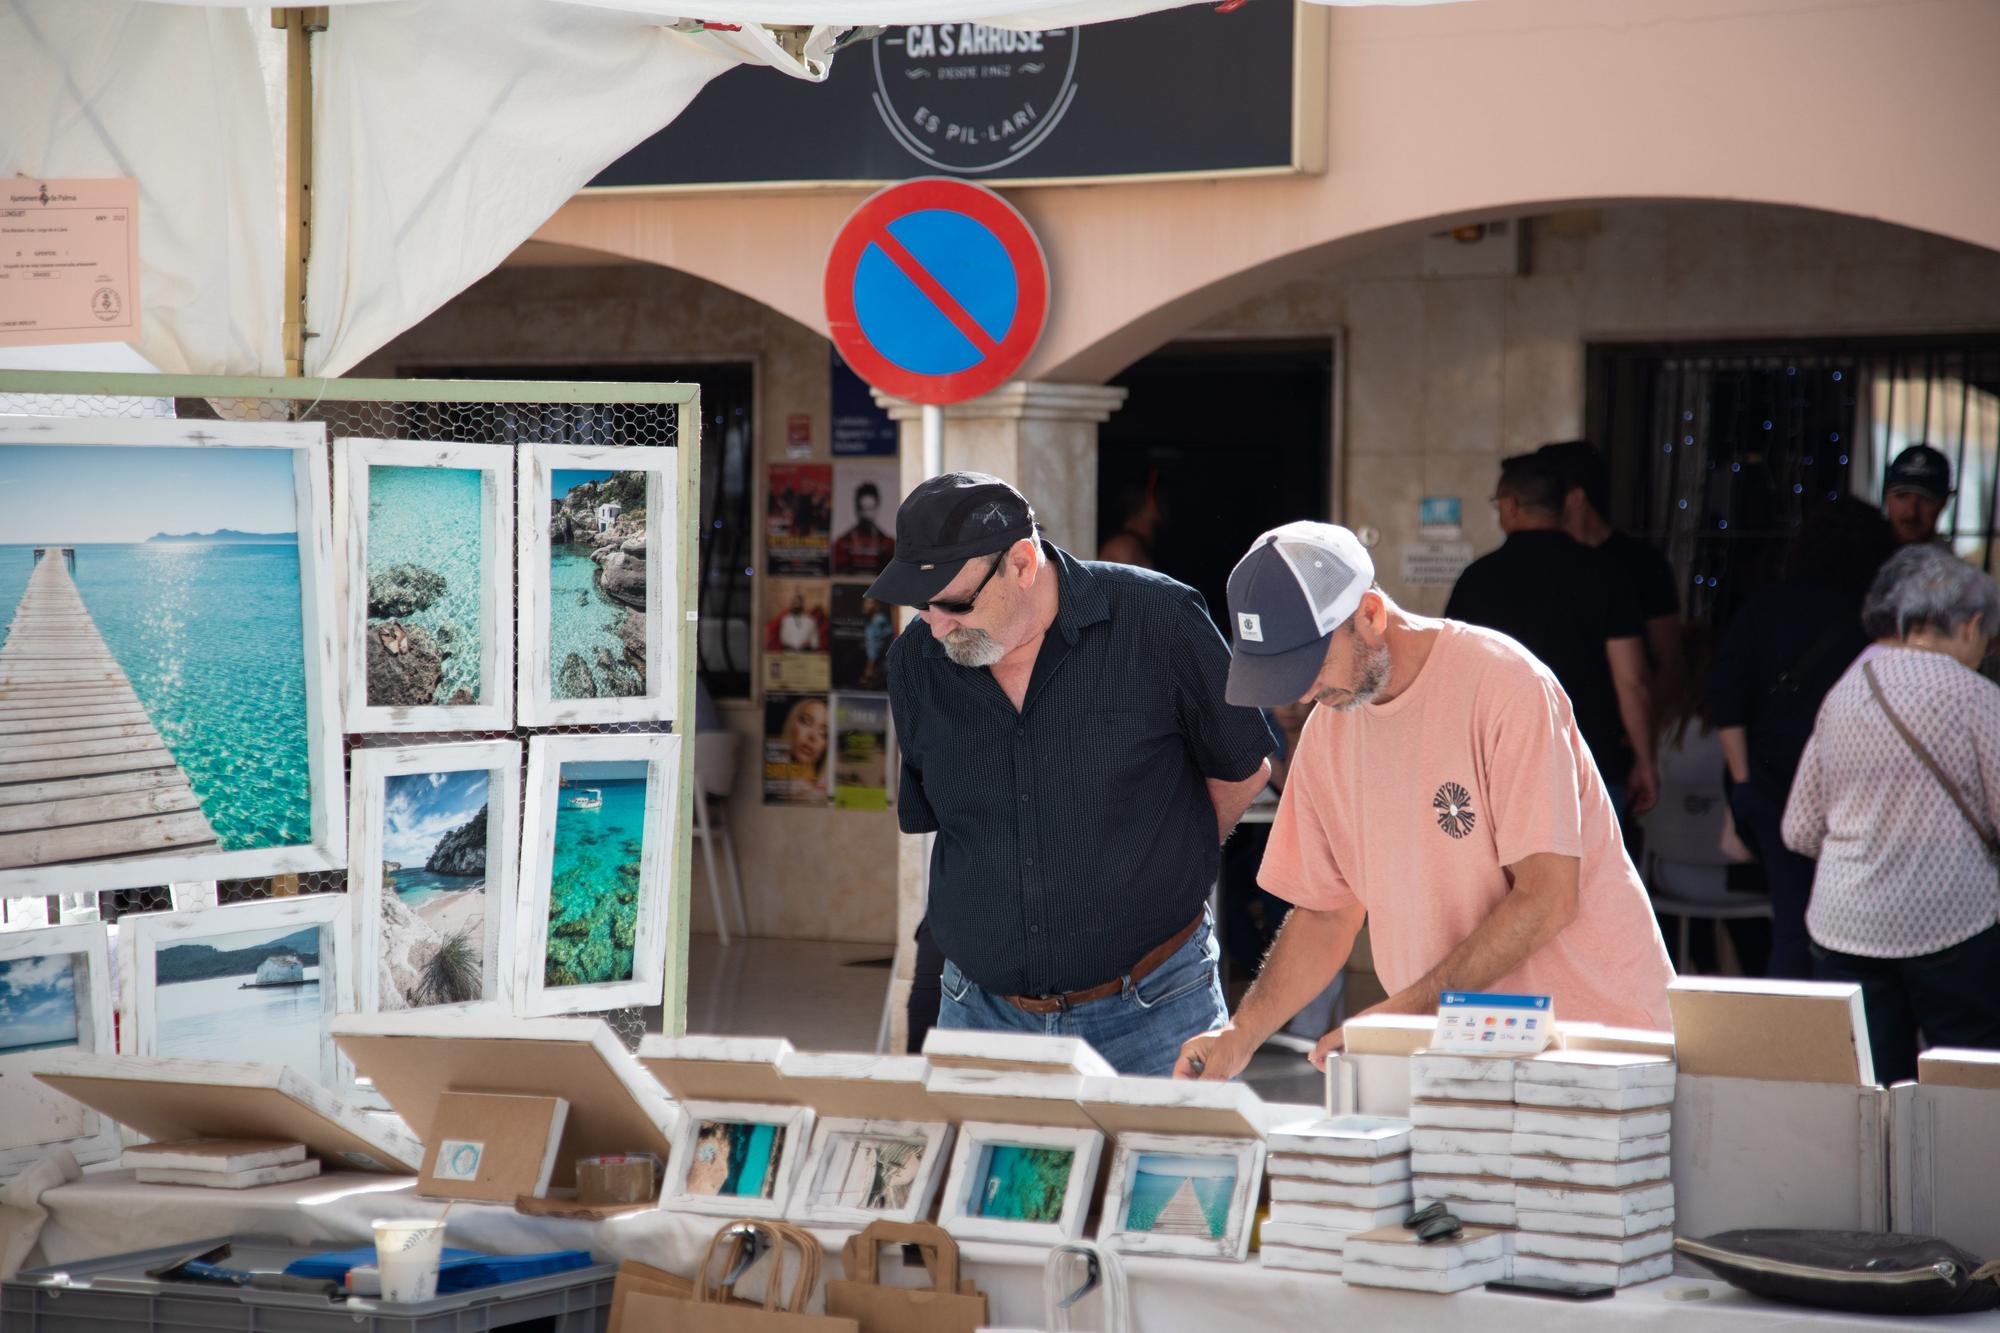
(1484,1023)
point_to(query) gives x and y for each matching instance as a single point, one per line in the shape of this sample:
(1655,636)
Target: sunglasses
(964,608)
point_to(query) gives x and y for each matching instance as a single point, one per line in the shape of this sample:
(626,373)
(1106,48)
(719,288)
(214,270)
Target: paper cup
(407,1251)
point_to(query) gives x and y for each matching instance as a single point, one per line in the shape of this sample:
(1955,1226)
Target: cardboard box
(1775,1031)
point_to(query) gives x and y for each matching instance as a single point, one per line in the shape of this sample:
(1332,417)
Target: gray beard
(972,648)
(1374,675)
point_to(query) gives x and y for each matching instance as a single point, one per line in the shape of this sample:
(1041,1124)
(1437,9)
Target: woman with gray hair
(1898,797)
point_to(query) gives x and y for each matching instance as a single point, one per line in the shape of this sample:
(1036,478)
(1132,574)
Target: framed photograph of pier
(168,704)
(596,860)
(599,589)
(55,1000)
(258,982)
(426,532)
(431,833)
(1181,1194)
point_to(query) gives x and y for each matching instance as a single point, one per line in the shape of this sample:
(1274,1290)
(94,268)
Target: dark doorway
(1235,438)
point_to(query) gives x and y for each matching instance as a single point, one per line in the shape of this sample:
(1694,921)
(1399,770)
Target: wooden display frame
(1128,1150)
(968,1160)
(96,1033)
(795,1121)
(832,1133)
(699,1068)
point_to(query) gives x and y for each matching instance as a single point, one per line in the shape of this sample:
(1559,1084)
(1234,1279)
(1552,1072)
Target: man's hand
(1643,786)
(1213,1057)
(1417,999)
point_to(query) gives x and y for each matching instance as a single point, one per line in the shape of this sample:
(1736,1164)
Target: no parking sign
(936,290)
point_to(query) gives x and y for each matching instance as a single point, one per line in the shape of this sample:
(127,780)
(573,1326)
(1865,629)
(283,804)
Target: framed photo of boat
(599,588)
(432,830)
(258,982)
(169,710)
(55,1000)
(597,845)
(426,535)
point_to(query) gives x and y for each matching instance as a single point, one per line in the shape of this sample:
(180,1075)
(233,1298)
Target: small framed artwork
(1183,1195)
(596,855)
(862,1171)
(599,585)
(737,1159)
(188,725)
(257,982)
(432,830)
(55,1000)
(427,541)
(1026,1183)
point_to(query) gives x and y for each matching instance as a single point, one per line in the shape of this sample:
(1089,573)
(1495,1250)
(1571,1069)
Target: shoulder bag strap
(1917,748)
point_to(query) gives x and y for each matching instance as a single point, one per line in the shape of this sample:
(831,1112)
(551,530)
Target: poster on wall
(798,519)
(865,496)
(860,427)
(861,752)
(795,636)
(863,629)
(796,742)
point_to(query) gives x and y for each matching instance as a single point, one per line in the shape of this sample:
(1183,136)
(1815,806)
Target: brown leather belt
(1145,967)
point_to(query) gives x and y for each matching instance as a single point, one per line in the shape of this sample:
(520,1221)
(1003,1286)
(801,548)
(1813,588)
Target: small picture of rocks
(597,585)
(427,557)
(434,899)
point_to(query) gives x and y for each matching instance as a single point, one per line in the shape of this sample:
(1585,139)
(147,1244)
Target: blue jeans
(1139,1030)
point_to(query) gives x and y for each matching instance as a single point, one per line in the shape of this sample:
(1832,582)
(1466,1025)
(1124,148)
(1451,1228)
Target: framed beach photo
(1181,1194)
(55,1000)
(258,982)
(599,585)
(427,545)
(862,1171)
(432,832)
(1027,1183)
(596,856)
(737,1159)
(168,704)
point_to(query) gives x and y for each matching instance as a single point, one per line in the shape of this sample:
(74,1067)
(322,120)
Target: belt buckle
(1061,1002)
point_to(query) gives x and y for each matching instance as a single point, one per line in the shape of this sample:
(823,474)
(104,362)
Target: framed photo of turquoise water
(597,844)
(1027,1183)
(55,999)
(1181,1194)
(737,1159)
(426,533)
(600,588)
(432,832)
(167,661)
(257,982)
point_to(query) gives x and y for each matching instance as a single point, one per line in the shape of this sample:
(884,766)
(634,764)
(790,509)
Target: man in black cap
(1064,734)
(1915,493)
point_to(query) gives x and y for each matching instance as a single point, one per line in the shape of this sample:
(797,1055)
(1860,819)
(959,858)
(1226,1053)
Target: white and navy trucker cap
(1299,583)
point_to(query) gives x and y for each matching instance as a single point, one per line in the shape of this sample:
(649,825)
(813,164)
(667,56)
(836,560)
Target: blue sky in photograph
(420,808)
(566,480)
(37,1000)
(604,770)
(1174,1164)
(74,494)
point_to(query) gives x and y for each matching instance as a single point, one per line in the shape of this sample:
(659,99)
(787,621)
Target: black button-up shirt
(1076,834)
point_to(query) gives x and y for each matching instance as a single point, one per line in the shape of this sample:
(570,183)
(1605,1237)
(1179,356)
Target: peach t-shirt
(1413,808)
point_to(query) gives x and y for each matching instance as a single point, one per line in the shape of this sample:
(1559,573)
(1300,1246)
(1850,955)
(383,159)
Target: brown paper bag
(947,1307)
(714,1309)
(636,1279)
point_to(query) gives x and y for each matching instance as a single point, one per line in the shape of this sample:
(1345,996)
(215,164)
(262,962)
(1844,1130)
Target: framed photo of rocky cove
(55,999)
(599,587)
(432,830)
(1026,1183)
(167,665)
(596,859)
(426,532)
(737,1159)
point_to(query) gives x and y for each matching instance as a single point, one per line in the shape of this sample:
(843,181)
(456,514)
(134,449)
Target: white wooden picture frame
(1192,1159)
(388,959)
(355,460)
(845,1176)
(696,1154)
(539,704)
(161,1022)
(542,855)
(134,795)
(968,1191)
(55,1001)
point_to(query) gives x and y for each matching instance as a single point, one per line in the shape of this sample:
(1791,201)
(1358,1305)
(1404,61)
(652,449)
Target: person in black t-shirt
(1573,608)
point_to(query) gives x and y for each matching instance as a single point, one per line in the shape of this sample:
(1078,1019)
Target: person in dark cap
(1916,491)
(1064,734)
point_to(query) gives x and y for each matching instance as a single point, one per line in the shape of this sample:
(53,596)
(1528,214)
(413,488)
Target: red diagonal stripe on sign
(935,290)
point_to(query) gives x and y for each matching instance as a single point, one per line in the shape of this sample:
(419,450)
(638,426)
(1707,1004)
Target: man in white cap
(1442,793)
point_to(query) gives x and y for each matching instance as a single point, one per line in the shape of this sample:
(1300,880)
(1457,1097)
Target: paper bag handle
(726,1246)
(940,1251)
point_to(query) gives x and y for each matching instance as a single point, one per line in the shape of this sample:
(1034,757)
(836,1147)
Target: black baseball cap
(946,521)
(1922,469)
(1298,584)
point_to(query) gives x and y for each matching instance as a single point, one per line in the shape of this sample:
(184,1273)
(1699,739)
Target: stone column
(1042,438)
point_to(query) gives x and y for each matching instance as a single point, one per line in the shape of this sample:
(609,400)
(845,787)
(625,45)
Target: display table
(110,1212)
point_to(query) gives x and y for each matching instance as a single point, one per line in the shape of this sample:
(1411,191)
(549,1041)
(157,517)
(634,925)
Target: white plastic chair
(1686,871)
(714,779)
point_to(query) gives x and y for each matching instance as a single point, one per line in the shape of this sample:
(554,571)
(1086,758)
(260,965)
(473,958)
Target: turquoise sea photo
(735,1158)
(155,650)
(1177,1195)
(1021,1184)
(594,881)
(429,544)
(597,584)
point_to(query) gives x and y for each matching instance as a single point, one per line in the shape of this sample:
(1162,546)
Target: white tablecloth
(111,1213)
